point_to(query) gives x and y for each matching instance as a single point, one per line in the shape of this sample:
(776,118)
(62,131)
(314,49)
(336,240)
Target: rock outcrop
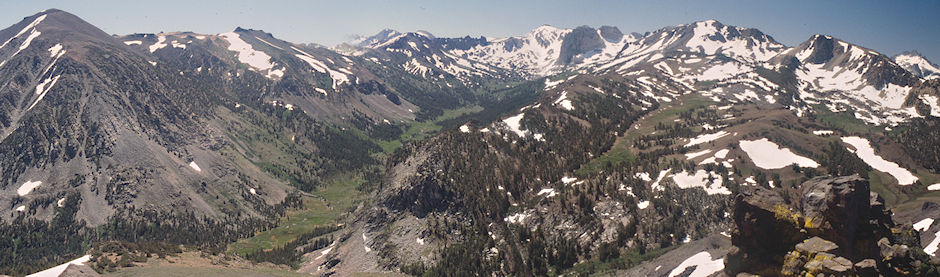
(833,226)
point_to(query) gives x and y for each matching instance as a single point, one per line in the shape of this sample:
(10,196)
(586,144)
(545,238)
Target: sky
(889,27)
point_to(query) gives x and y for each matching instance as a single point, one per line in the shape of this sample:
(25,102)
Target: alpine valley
(694,150)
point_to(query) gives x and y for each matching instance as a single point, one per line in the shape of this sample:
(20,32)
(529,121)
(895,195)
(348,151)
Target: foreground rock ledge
(834,226)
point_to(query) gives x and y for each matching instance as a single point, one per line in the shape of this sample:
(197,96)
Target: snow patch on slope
(709,181)
(923,225)
(769,155)
(689,156)
(42,89)
(27,187)
(513,122)
(23,31)
(703,263)
(549,192)
(338,77)
(57,270)
(931,248)
(706,138)
(563,101)
(161,42)
(257,60)
(864,151)
(723,71)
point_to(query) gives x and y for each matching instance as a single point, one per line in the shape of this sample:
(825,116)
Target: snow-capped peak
(711,37)
(424,33)
(382,37)
(918,64)
(846,76)
(545,34)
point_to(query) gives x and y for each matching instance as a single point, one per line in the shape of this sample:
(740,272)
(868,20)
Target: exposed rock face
(580,40)
(829,225)
(833,208)
(611,33)
(765,229)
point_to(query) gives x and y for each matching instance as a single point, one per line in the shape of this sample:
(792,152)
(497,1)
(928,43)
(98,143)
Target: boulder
(867,268)
(833,208)
(815,245)
(811,258)
(829,265)
(765,229)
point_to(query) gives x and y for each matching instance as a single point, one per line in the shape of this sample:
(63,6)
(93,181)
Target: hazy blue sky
(889,27)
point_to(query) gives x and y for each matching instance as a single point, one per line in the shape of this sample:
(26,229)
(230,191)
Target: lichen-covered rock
(811,257)
(835,227)
(765,228)
(829,265)
(815,245)
(833,208)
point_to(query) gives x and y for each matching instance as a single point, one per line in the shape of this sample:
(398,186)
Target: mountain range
(560,151)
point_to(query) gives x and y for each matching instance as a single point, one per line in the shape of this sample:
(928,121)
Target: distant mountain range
(561,150)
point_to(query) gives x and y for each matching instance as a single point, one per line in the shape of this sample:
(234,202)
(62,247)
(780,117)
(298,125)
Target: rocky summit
(833,226)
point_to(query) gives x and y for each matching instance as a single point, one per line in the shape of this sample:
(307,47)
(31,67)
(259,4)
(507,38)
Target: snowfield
(723,71)
(549,192)
(55,271)
(27,187)
(867,154)
(564,102)
(931,248)
(161,42)
(700,179)
(23,31)
(662,174)
(706,138)
(933,102)
(693,155)
(324,252)
(703,263)
(42,89)
(923,225)
(32,35)
(338,77)
(516,218)
(246,54)
(721,154)
(513,123)
(769,155)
